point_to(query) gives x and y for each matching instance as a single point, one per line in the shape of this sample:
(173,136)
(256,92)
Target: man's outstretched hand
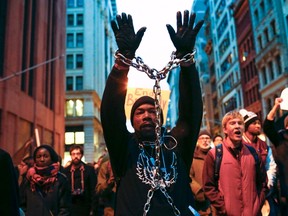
(126,39)
(184,38)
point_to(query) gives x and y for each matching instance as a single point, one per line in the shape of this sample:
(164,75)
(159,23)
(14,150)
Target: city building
(270,37)
(32,72)
(89,58)
(246,55)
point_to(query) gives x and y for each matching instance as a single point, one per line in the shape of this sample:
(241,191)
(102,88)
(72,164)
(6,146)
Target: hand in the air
(184,39)
(126,39)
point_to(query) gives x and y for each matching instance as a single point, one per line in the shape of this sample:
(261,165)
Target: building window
(77,137)
(262,9)
(69,61)
(79,83)
(79,40)
(222,27)
(264,76)
(74,135)
(79,61)
(266,34)
(256,15)
(70,20)
(278,63)
(273,26)
(270,66)
(260,42)
(74,107)
(80,20)
(70,3)
(80,3)
(224,45)
(69,83)
(70,40)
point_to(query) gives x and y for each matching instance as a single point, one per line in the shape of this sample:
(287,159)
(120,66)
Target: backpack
(218,159)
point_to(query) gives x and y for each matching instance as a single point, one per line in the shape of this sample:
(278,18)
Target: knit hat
(248,116)
(204,132)
(140,101)
(53,154)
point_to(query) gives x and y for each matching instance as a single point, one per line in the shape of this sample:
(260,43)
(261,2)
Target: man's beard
(146,134)
(76,162)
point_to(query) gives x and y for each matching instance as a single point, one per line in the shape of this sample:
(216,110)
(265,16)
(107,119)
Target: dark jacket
(280,141)
(126,157)
(57,202)
(9,205)
(82,203)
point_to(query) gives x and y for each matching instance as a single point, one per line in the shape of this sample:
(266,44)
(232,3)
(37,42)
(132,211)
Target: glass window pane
(80,19)
(69,107)
(70,40)
(69,61)
(80,3)
(79,40)
(70,20)
(70,3)
(79,137)
(69,138)
(69,83)
(79,107)
(79,61)
(79,83)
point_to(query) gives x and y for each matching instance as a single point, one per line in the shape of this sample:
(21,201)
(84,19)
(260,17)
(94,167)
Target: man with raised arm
(152,180)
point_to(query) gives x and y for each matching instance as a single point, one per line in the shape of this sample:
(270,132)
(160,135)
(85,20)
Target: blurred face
(218,140)
(254,128)
(204,141)
(76,156)
(144,122)
(43,158)
(234,129)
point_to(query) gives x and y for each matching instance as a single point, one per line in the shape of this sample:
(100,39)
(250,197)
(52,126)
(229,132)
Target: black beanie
(53,154)
(140,101)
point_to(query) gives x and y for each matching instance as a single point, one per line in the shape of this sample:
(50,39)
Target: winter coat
(279,140)
(9,205)
(238,193)
(82,203)
(57,202)
(202,204)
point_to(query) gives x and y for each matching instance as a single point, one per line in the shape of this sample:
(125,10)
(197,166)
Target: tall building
(32,72)
(270,36)
(246,55)
(89,58)
(226,56)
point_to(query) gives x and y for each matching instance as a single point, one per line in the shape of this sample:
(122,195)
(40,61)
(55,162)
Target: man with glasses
(202,204)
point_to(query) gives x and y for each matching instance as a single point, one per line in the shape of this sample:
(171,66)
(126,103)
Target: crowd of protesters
(186,173)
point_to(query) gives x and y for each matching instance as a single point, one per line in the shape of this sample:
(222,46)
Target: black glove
(125,36)
(184,39)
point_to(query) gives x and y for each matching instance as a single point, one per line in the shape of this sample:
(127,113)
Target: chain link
(153,73)
(157,76)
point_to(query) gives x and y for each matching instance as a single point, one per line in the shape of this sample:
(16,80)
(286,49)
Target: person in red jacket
(240,189)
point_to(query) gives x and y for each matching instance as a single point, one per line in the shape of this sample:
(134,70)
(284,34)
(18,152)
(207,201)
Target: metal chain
(153,73)
(157,76)
(170,201)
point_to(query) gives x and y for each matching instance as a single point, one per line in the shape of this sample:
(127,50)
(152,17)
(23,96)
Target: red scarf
(43,177)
